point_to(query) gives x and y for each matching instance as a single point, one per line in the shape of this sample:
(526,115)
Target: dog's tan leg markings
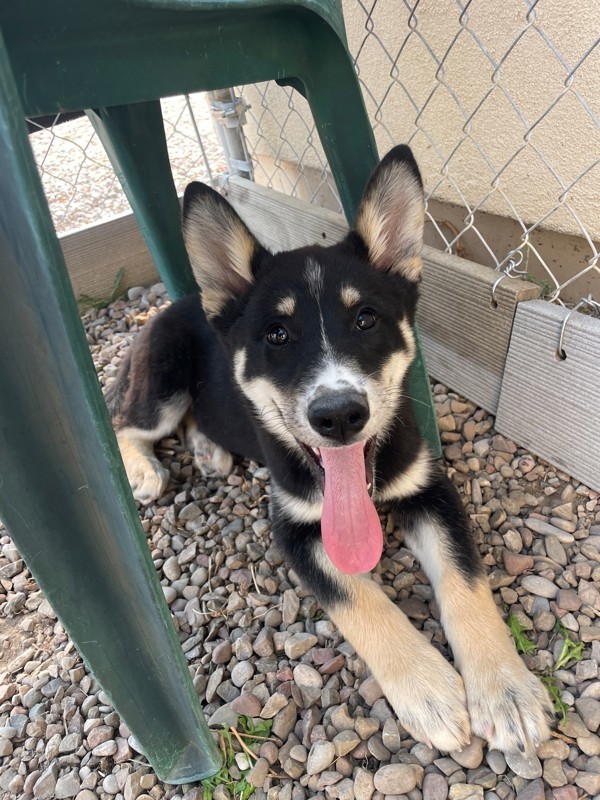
(424,690)
(209,458)
(147,477)
(508,705)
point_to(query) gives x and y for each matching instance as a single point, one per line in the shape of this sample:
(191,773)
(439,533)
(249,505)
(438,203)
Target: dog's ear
(220,247)
(391,215)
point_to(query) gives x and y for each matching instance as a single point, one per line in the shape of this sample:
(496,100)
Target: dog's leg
(209,458)
(147,477)
(424,690)
(507,704)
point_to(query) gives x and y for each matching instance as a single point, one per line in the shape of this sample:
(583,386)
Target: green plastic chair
(64,496)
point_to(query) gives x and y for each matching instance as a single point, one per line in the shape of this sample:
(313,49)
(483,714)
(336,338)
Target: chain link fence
(500,103)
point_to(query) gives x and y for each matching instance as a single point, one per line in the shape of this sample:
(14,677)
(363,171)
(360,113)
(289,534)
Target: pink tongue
(350,527)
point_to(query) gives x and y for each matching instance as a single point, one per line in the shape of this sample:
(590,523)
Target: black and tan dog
(299,360)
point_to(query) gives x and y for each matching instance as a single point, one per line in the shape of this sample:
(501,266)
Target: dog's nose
(339,415)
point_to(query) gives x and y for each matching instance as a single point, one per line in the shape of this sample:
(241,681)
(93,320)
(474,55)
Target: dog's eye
(277,335)
(366,319)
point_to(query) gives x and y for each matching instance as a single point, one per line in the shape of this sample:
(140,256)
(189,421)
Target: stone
(370,690)
(465,791)
(395,779)
(364,786)
(533,791)
(258,773)
(589,782)
(67,786)
(291,606)
(345,741)
(527,766)
(273,705)
(298,644)
(390,736)
(44,787)
(222,653)
(343,790)
(553,772)
(589,711)
(321,756)
(99,734)
(247,705)
(435,787)
(284,721)
(539,586)
(470,756)
(516,563)
(241,673)
(366,727)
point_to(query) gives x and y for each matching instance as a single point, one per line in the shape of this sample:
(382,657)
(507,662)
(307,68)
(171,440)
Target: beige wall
(531,75)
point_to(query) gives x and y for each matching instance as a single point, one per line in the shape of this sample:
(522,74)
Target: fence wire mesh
(499,102)
(79,182)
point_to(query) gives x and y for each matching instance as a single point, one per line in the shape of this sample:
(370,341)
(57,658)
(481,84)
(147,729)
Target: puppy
(300,360)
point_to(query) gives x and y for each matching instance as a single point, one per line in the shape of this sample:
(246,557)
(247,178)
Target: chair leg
(134,139)
(64,497)
(349,145)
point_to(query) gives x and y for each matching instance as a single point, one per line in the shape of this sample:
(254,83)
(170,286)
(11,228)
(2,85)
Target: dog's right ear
(391,214)
(220,247)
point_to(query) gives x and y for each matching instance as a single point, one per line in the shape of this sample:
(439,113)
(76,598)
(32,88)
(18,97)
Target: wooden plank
(281,222)
(95,254)
(552,406)
(465,339)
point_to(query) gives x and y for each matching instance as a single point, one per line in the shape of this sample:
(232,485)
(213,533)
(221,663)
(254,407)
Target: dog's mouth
(315,462)
(350,526)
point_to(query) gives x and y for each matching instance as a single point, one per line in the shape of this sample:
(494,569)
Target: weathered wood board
(95,254)
(465,339)
(549,405)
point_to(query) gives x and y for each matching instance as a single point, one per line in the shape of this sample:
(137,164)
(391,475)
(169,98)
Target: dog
(299,360)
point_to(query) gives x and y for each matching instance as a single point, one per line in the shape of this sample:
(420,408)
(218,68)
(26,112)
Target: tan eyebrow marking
(286,306)
(350,295)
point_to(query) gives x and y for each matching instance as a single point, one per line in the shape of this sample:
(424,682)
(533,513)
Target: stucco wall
(410,99)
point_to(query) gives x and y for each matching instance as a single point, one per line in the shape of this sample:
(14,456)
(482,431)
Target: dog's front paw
(429,701)
(148,478)
(508,705)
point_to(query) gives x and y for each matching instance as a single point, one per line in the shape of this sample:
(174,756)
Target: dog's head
(320,337)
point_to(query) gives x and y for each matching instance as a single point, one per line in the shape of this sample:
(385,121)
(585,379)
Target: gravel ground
(258,645)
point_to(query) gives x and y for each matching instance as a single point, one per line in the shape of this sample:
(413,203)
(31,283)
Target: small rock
(285,720)
(517,563)
(589,782)
(364,785)
(43,788)
(465,791)
(527,766)
(67,786)
(370,690)
(247,705)
(273,705)
(589,711)
(435,787)
(258,773)
(533,791)
(470,756)
(553,772)
(344,742)
(298,644)
(291,606)
(539,586)
(396,779)
(321,756)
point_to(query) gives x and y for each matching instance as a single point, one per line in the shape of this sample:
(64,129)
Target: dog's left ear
(391,215)
(221,248)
